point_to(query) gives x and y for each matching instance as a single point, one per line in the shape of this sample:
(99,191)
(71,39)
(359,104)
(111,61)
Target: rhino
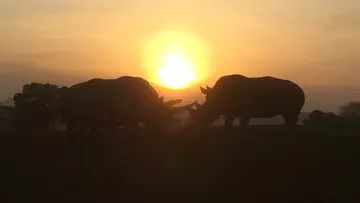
(238,96)
(111,103)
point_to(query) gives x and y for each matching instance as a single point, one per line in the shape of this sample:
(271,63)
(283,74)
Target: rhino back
(265,96)
(123,98)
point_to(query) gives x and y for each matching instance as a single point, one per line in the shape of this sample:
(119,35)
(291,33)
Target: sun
(175,59)
(176,71)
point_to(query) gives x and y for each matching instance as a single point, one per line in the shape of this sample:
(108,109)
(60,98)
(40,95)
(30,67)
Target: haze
(315,43)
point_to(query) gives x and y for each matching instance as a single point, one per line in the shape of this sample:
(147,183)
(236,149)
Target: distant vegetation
(348,118)
(351,109)
(37,106)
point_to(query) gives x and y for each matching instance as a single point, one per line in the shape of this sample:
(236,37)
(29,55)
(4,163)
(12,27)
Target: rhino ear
(208,88)
(173,102)
(161,99)
(204,91)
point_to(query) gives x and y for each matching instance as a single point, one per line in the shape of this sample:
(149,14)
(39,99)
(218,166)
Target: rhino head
(201,115)
(166,115)
(195,112)
(206,91)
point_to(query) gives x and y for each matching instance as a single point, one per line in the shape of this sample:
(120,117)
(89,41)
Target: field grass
(213,165)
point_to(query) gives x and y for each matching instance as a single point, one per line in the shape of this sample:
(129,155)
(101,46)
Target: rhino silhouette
(238,96)
(111,103)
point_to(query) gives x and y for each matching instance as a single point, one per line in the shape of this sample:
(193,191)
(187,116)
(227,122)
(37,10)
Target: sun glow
(175,60)
(176,71)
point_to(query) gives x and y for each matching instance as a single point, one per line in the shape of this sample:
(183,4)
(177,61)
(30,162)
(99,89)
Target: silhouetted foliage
(319,119)
(37,105)
(6,115)
(350,109)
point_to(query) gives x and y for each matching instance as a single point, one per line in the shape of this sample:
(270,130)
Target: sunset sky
(315,43)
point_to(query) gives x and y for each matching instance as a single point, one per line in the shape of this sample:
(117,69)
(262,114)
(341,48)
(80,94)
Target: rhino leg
(291,120)
(229,121)
(244,122)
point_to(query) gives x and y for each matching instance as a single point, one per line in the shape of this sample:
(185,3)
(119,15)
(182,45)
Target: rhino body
(239,96)
(110,103)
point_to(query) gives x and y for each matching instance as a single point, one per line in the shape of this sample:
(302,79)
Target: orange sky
(313,42)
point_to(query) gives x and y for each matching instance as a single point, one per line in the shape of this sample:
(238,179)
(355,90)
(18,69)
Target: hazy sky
(313,42)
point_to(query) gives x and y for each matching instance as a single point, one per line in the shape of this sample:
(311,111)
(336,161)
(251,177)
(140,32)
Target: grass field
(213,165)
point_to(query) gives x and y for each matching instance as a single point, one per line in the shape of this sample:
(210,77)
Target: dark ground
(259,165)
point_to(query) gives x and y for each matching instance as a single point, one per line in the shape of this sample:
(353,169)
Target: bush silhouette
(36,106)
(350,109)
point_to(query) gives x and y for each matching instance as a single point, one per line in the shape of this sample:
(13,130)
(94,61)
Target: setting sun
(176,71)
(175,59)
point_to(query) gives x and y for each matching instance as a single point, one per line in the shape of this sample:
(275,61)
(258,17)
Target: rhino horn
(192,104)
(173,102)
(198,106)
(176,110)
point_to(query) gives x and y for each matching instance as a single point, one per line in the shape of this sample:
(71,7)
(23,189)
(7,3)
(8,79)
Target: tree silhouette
(37,105)
(321,119)
(350,109)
